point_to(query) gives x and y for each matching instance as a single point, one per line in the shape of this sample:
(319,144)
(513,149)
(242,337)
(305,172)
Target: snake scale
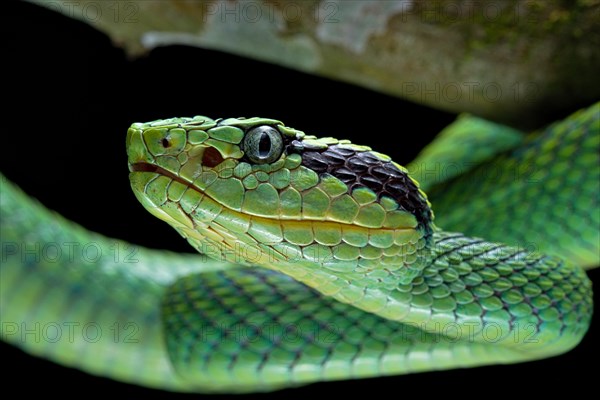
(321,259)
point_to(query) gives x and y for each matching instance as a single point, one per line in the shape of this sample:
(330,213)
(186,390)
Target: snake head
(257,192)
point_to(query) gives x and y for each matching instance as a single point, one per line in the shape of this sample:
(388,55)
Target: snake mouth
(155,169)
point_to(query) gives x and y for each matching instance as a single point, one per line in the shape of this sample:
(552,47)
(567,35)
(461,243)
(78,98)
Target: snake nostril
(211,157)
(165,143)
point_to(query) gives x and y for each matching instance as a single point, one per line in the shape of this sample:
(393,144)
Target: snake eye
(263,144)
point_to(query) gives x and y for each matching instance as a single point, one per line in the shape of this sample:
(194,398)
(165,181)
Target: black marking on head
(363,169)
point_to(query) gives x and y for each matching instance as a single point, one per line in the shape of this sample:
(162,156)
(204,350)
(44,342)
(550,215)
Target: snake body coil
(351,224)
(320,261)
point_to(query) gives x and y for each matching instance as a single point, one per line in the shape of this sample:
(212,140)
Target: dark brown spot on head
(212,157)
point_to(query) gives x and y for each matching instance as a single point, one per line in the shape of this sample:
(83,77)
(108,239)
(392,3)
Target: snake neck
(350,256)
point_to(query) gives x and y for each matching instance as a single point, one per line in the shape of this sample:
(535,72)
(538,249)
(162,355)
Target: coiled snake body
(321,260)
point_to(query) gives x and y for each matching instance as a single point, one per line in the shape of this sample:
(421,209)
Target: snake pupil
(264,145)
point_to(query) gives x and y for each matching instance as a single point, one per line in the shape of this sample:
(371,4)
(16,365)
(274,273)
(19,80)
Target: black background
(71,96)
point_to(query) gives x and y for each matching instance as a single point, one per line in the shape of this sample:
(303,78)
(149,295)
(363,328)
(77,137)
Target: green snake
(320,258)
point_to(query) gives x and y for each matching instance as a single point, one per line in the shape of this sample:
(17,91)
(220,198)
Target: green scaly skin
(549,173)
(112,282)
(353,285)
